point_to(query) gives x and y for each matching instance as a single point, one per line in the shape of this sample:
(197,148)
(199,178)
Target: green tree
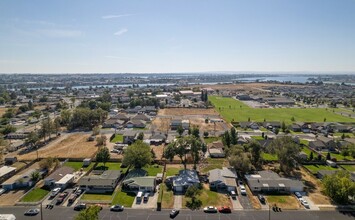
(192,192)
(196,132)
(101,141)
(32,139)
(90,213)
(233,136)
(65,116)
(283,126)
(103,155)
(240,159)
(205,134)
(180,130)
(286,150)
(255,150)
(339,186)
(140,136)
(35,176)
(169,151)
(328,156)
(311,156)
(137,155)
(226,139)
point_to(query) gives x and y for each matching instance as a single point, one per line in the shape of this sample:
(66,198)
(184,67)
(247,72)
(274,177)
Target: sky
(162,36)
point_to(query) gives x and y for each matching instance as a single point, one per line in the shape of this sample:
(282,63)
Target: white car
(243,190)
(304,203)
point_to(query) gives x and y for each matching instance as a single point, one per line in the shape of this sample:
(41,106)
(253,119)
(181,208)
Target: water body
(284,78)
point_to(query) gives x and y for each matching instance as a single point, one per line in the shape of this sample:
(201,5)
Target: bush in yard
(192,192)
(339,186)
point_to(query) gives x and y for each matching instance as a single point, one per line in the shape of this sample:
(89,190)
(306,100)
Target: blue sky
(81,36)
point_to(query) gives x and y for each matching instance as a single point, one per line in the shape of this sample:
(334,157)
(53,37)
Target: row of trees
(84,118)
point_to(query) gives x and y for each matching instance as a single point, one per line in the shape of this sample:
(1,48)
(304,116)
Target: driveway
(312,206)
(244,200)
(178,201)
(150,204)
(236,204)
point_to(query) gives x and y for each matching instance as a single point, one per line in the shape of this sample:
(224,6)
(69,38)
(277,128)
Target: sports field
(236,110)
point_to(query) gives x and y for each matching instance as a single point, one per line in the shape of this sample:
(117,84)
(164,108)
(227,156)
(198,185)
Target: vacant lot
(70,146)
(209,127)
(211,198)
(11,197)
(186,111)
(213,163)
(78,165)
(315,168)
(168,197)
(161,124)
(232,109)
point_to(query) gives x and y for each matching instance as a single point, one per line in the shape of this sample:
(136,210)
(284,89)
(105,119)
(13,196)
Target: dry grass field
(67,146)
(2,111)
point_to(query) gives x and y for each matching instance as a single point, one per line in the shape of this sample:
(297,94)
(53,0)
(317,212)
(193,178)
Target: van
(233,195)
(146,197)
(2,191)
(139,196)
(55,192)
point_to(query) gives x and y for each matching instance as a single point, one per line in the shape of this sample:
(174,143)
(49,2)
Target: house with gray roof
(184,179)
(144,184)
(22,180)
(223,179)
(57,175)
(103,183)
(270,182)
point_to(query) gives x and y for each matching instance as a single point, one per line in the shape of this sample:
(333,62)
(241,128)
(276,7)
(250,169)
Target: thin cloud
(115,16)
(120,32)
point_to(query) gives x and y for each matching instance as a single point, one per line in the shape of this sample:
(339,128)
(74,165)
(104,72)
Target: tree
(140,136)
(103,155)
(328,156)
(205,134)
(293,118)
(277,130)
(339,186)
(343,136)
(169,152)
(35,176)
(233,136)
(255,150)
(91,213)
(137,155)
(65,116)
(56,124)
(283,126)
(48,163)
(226,139)
(240,160)
(204,148)
(195,132)
(180,130)
(95,130)
(286,150)
(101,141)
(311,156)
(345,153)
(32,139)
(192,192)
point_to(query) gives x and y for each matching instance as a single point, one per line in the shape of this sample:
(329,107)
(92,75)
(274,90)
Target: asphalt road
(61,213)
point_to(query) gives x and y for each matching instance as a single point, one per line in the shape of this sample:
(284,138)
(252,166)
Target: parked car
(243,190)
(80,207)
(61,197)
(32,212)
(55,192)
(261,198)
(72,198)
(174,213)
(240,182)
(146,197)
(117,208)
(233,195)
(2,191)
(298,195)
(210,209)
(304,203)
(225,209)
(78,192)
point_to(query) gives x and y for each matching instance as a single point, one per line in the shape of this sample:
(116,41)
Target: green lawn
(269,157)
(308,151)
(350,168)
(78,165)
(304,142)
(316,168)
(231,109)
(117,138)
(172,171)
(110,166)
(212,139)
(211,198)
(338,156)
(153,170)
(284,202)
(99,197)
(258,138)
(124,198)
(35,195)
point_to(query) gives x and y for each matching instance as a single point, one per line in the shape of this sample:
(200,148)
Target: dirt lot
(11,197)
(210,127)
(67,146)
(158,150)
(187,111)
(161,124)
(2,111)
(314,188)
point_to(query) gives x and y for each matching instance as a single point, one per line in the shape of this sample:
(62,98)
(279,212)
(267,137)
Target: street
(60,213)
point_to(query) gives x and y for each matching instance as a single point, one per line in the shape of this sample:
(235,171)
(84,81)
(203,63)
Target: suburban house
(223,179)
(6,172)
(270,182)
(184,179)
(57,175)
(113,123)
(122,117)
(247,124)
(157,139)
(328,142)
(10,160)
(129,136)
(135,124)
(144,184)
(141,117)
(23,180)
(105,182)
(317,145)
(175,123)
(215,149)
(272,124)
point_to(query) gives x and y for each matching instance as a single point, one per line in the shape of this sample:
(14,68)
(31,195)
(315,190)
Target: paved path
(236,204)
(177,201)
(312,206)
